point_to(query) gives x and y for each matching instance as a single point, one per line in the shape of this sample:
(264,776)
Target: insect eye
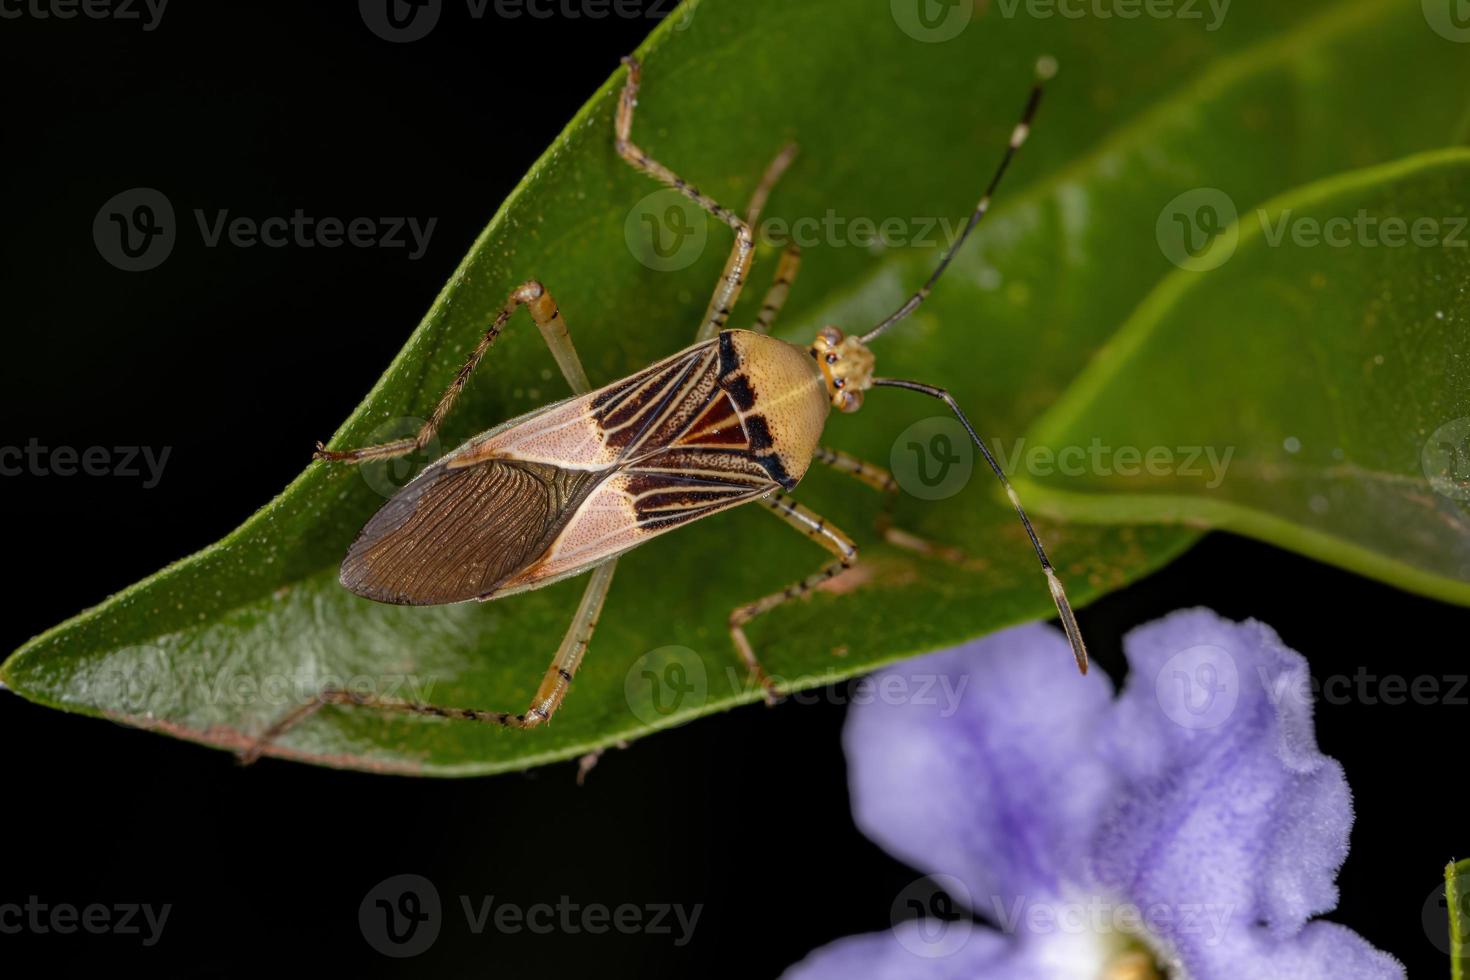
(831,336)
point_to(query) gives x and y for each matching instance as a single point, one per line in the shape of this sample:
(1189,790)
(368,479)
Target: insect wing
(555,492)
(455,533)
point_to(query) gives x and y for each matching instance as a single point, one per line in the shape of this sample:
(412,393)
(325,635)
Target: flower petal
(1321,951)
(899,954)
(1231,819)
(976,762)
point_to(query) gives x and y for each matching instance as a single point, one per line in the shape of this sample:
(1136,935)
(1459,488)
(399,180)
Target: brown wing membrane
(454,534)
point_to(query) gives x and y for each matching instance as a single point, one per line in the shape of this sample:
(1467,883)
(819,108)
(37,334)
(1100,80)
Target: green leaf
(1327,368)
(216,646)
(1457,900)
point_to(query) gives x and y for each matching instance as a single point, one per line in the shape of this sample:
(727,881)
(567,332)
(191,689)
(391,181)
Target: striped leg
(828,537)
(574,642)
(786,271)
(573,647)
(790,261)
(737,267)
(762,191)
(547,316)
(548,697)
(882,481)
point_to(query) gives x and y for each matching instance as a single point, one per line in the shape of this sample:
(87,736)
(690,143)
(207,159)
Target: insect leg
(738,265)
(573,647)
(786,271)
(828,537)
(881,480)
(548,697)
(547,316)
(790,258)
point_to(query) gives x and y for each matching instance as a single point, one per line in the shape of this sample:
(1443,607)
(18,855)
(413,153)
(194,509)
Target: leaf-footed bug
(734,418)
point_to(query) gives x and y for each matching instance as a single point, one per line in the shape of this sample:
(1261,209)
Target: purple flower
(1188,827)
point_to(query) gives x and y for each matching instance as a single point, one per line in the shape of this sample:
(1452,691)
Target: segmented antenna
(1058,594)
(1046,67)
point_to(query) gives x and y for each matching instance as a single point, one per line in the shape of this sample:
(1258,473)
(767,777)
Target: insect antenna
(1058,594)
(1045,68)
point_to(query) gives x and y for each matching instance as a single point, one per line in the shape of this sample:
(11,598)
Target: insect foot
(738,618)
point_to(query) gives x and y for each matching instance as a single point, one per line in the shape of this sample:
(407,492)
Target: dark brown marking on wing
(771,463)
(760,433)
(740,390)
(761,448)
(717,427)
(729,359)
(456,534)
(652,408)
(738,385)
(683,485)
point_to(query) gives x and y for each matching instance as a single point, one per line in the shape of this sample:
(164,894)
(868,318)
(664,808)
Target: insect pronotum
(734,418)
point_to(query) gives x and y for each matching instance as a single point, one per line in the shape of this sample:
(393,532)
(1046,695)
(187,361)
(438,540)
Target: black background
(239,358)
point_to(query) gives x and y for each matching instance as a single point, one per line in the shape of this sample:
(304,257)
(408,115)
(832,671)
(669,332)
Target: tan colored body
(735,417)
(563,489)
